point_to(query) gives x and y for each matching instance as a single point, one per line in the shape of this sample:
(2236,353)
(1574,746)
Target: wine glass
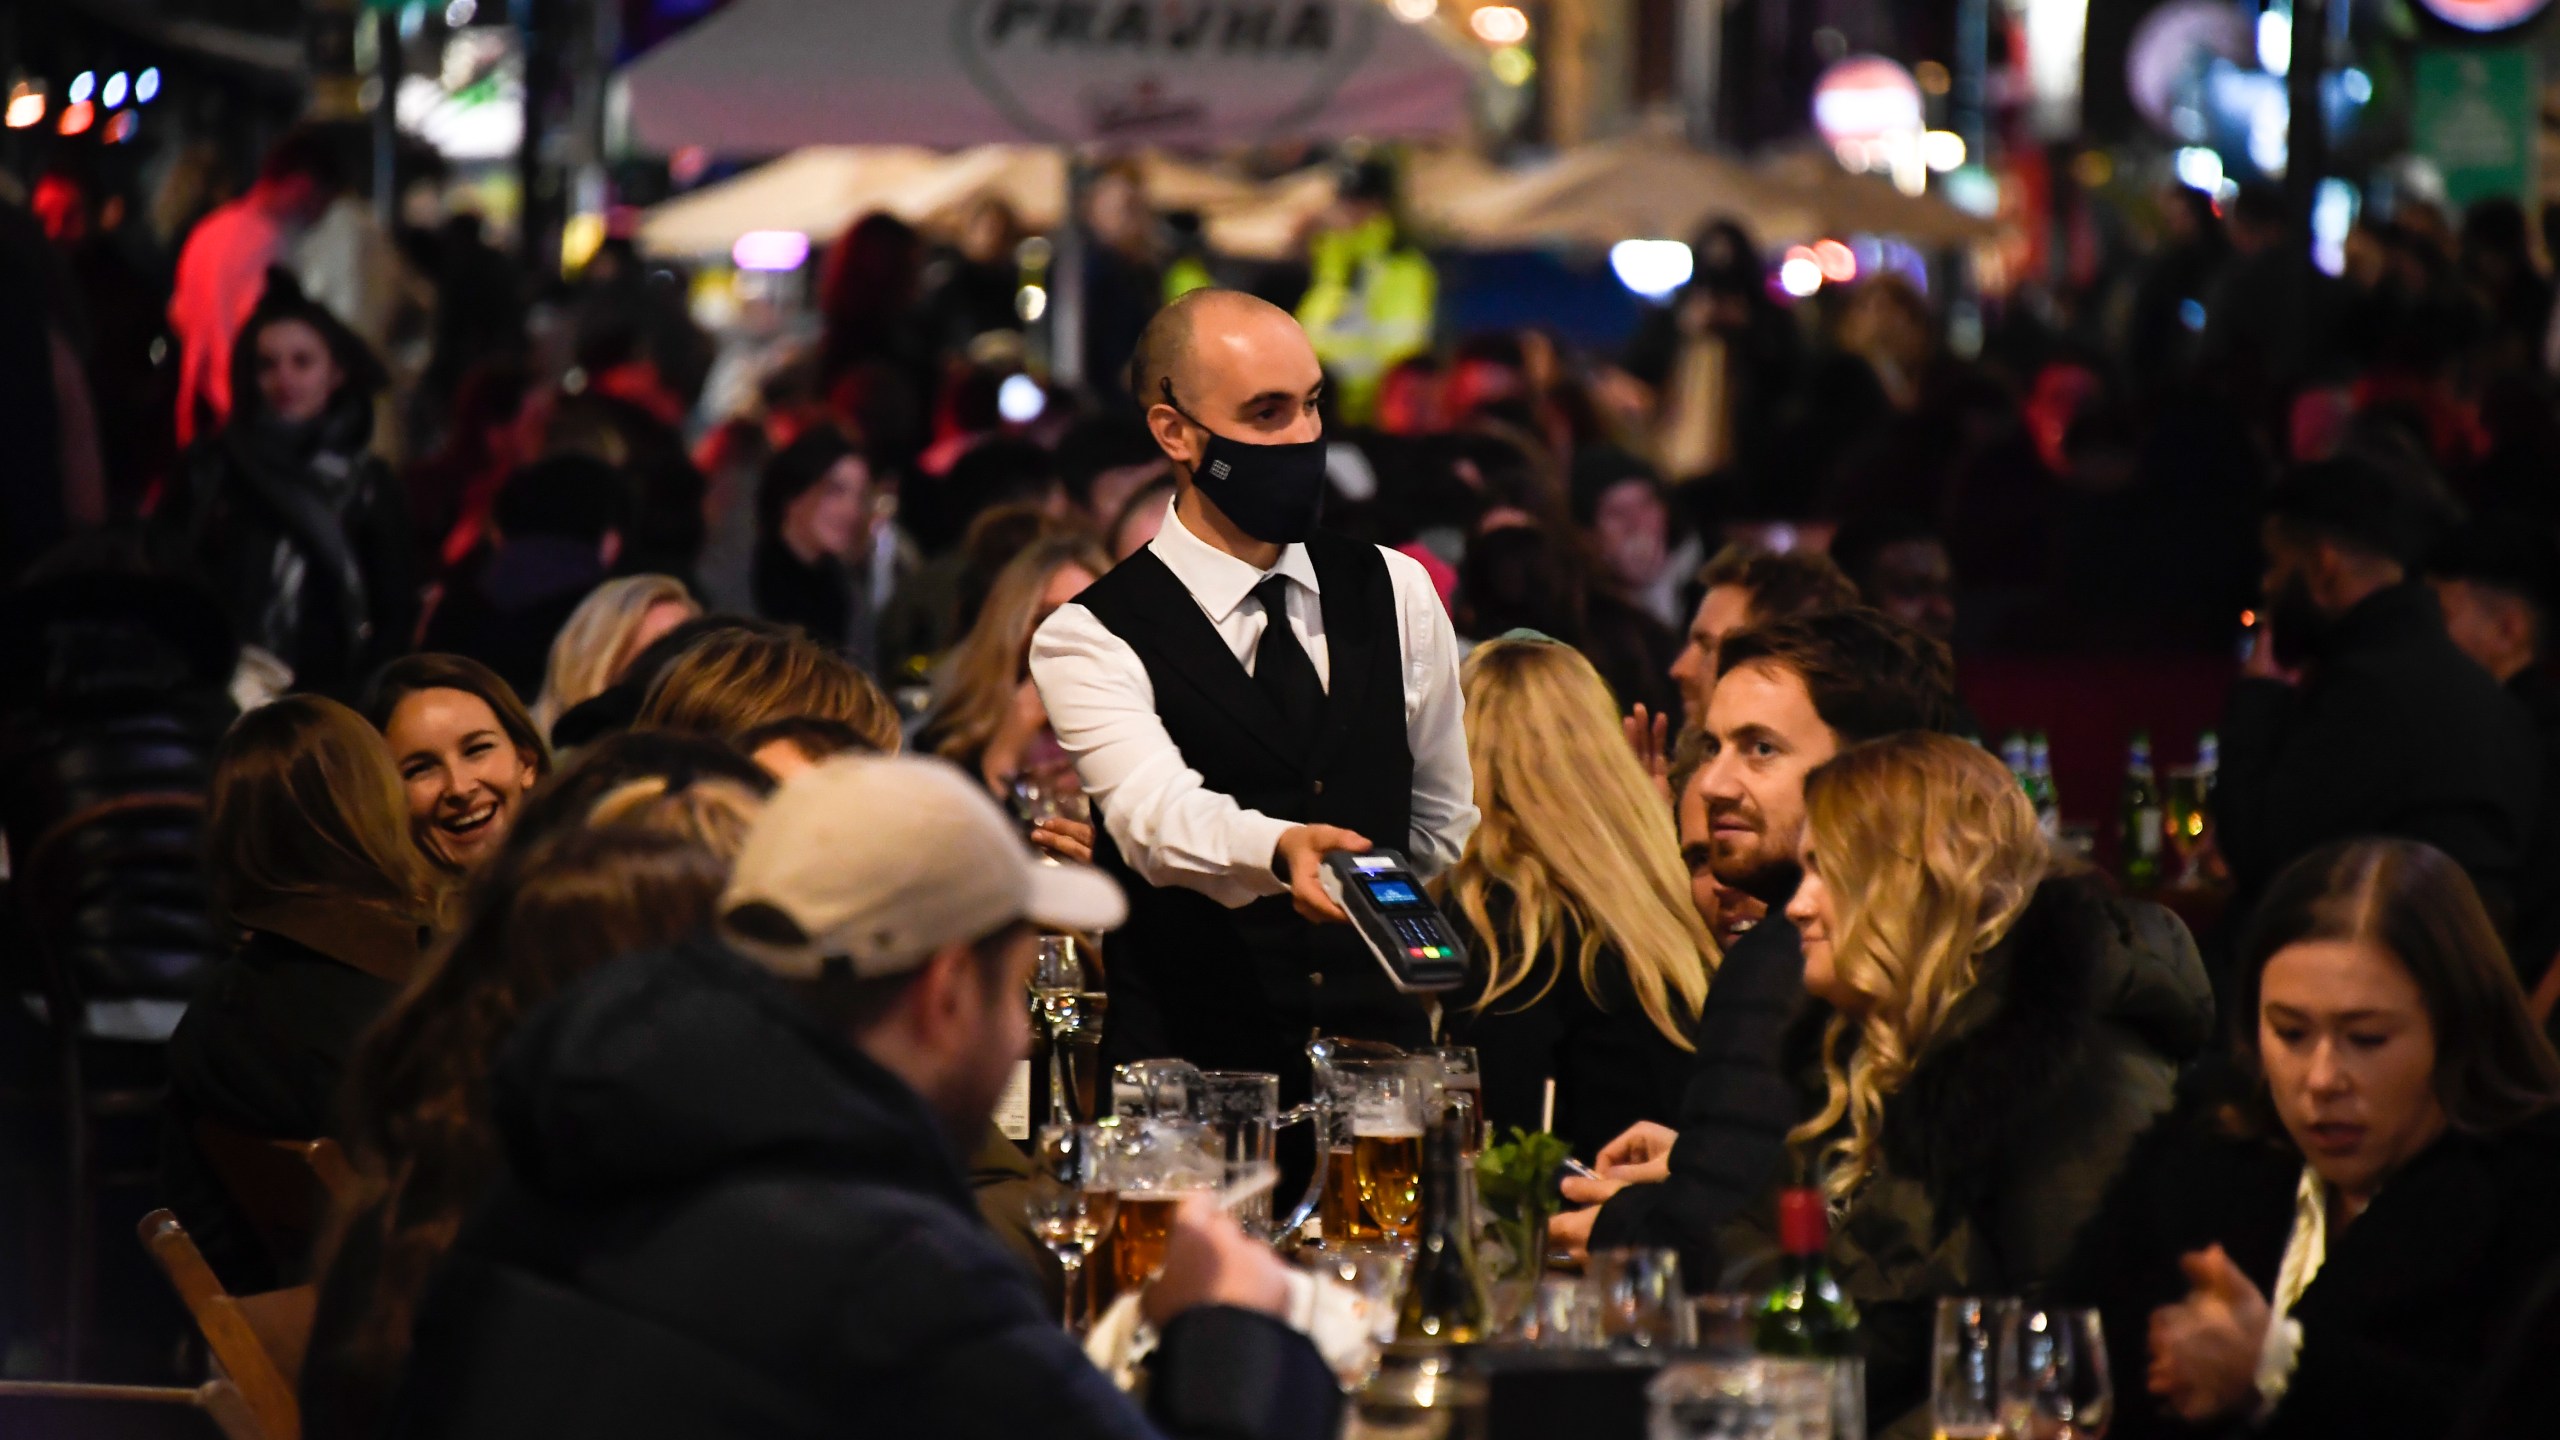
(2053,1375)
(1069,1208)
(1964,1382)
(1640,1300)
(1048,793)
(1055,981)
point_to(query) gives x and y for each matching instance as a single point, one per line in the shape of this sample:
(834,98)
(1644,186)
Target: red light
(121,125)
(76,117)
(1839,264)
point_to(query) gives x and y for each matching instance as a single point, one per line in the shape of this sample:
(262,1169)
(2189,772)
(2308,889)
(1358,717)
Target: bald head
(1209,326)
(1225,361)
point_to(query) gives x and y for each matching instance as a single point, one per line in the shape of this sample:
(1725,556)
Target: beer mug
(1150,1165)
(1375,1113)
(1243,1107)
(1323,1053)
(1165,1089)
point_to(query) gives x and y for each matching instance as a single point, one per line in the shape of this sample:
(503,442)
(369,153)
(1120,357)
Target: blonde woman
(1590,962)
(618,619)
(2000,1030)
(989,720)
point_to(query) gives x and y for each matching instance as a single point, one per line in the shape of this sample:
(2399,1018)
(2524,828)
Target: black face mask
(1274,493)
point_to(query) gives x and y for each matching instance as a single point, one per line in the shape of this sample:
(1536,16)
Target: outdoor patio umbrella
(820,190)
(1638,187)
(763,76)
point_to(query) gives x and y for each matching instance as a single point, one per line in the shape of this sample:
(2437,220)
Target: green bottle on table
(2141,816)
(1805,1317)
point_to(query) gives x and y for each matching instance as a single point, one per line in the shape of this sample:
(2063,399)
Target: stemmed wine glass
(1055,982)
(2053,1375)
(1069,1207)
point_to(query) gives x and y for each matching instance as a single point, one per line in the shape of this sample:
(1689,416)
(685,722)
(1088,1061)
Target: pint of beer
(1138,1237)
(1150,1165)
(1344,1217)
(1386,1164)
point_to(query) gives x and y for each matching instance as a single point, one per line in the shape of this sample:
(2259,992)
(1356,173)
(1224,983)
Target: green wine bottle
(1805,1316)
(1444,1299)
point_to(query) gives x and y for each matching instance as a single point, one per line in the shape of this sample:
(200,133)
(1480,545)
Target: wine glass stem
(1059,1113)
(1072,1263)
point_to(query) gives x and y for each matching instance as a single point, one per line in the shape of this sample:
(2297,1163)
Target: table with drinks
(1465,1326)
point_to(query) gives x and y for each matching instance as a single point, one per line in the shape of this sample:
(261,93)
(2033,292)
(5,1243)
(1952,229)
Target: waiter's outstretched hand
(1300,856)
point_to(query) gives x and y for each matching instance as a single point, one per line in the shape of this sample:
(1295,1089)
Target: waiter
(1243,696)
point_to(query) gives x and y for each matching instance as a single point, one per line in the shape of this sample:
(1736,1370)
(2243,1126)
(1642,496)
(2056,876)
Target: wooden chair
(248,1358)
(51,1410)
(283,1187)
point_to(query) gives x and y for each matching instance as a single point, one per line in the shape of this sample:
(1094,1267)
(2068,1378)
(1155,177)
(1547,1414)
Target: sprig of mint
(1518,1175)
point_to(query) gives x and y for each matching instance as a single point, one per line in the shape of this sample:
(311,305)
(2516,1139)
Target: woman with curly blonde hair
(2000,1030)
(1589,960)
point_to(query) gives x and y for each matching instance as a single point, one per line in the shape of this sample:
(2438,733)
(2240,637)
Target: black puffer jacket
(722,1220)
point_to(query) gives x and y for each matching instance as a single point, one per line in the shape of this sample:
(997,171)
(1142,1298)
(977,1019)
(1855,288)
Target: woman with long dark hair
(640,867)
(307,844)
(303,532)
(2336,1251)
(813,540)
(466,751)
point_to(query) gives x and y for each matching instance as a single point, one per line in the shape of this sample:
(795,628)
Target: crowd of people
(637,820)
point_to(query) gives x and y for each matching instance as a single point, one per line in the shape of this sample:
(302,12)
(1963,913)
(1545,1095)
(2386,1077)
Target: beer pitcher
(1322,1054)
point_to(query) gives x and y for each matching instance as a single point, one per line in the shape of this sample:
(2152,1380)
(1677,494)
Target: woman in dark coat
(636,869)
(1588,960)
(1984,1039)
(307,839)
(2341,1251)
(813,529)
(303,532)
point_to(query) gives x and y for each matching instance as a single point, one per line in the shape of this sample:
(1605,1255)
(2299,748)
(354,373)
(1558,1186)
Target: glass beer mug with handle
(1149,1165)
(1164,1089)
(1372,1165)
(1243,1107)
(1323,1054)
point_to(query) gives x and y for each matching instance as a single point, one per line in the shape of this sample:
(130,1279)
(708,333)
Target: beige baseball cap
(885,860)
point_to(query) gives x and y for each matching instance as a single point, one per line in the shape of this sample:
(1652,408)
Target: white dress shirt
(1171,828)
(2306,1251)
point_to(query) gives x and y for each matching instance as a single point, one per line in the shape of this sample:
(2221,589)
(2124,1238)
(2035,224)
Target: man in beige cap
(734,1203)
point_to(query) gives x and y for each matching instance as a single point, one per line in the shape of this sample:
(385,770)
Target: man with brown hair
(1747,586)
(1793,693)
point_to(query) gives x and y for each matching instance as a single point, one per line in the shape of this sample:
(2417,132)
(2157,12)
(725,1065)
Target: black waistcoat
(1243,989)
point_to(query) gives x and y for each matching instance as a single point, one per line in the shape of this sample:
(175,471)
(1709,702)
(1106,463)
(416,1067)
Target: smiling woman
(465,749)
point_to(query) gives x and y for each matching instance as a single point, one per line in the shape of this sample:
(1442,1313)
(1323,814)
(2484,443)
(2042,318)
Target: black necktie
(1280,663)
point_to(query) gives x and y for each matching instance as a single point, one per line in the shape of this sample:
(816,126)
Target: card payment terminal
(1408,934)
